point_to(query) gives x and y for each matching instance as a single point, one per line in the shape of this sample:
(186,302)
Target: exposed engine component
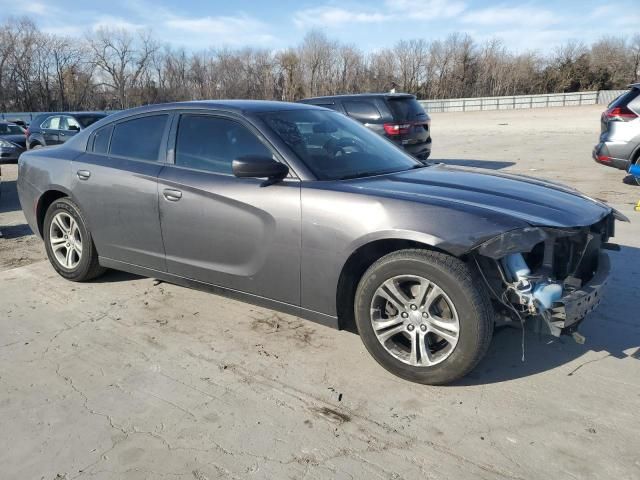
(536,295)
(548,278)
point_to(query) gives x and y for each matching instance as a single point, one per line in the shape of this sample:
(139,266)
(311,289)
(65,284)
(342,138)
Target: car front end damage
(548,279)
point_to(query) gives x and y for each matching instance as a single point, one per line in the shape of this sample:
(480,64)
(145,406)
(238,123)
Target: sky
(370,25)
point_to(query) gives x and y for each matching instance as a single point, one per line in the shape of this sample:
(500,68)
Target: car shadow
(9,197)
(631,180)
(459,162)
(115,276)
(613,330)
(15,231)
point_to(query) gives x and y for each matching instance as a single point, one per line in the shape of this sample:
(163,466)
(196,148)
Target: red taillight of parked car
(397,128)
(620,114)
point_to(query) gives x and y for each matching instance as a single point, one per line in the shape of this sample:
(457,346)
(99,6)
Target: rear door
(222,230)
(116,184)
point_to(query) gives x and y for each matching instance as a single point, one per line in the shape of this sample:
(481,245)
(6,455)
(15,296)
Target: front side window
(212,143)
(335,147)
(139,138)
(52,123)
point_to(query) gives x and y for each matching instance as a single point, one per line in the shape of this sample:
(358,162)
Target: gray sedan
(303,210)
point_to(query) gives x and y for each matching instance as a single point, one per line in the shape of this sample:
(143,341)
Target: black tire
(460,283)
(87,267)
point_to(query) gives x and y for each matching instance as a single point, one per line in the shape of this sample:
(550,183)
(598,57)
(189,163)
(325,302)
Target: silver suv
(619,145)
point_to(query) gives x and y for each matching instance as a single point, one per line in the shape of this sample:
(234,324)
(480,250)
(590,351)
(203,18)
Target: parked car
(12,142)
(619,145)
(396,116)
(335,226)
(19,122)
(56,128)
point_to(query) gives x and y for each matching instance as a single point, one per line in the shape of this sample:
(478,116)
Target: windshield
(334,147)
(86,120)
(8,129)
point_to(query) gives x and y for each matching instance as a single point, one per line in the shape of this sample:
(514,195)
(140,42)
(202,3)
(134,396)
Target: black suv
(397,116)
(57,127)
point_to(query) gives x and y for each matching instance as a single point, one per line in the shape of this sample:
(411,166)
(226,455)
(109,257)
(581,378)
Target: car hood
(536,202)
(18,139)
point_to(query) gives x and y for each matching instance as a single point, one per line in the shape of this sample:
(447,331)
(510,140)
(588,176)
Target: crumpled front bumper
(566,314)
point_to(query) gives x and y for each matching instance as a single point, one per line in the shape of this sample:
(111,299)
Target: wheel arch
(44,202)
(360,260)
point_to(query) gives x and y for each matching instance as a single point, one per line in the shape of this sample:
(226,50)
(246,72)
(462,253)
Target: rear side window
(405,109)
(362,110)
(139,138)
(101,140)
(212,143)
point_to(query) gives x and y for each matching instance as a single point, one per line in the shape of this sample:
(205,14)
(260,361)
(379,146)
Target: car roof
(233,106)
(356,96)
(71,114)
(635,85)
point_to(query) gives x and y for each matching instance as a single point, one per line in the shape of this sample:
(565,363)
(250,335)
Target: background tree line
(114,69)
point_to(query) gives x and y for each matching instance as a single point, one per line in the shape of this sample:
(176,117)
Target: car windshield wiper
(362,174)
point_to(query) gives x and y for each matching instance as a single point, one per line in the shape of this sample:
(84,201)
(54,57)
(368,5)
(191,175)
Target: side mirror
(256,166)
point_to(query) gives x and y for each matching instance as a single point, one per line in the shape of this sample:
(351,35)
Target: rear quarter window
(626,98)
(139,138)
(101,139)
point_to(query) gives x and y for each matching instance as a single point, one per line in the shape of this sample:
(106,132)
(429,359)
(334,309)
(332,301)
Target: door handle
(62,134)
(83,174)
(172,195)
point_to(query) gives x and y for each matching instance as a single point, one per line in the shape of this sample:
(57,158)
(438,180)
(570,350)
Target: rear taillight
(397,128)
(620,114)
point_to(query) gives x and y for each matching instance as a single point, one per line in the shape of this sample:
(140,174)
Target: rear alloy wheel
(423,316)
(68,242)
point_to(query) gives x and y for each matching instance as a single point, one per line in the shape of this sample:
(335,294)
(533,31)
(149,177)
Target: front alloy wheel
(423,315)
(414,320)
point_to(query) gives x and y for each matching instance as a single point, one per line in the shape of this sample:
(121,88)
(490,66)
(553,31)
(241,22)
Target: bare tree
(122,58)
(120,69)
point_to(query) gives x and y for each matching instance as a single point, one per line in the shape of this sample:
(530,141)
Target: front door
(227,231)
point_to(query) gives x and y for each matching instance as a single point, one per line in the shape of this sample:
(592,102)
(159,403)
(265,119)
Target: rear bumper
(28,195)
(421,151)
(606,154)
(568,312)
